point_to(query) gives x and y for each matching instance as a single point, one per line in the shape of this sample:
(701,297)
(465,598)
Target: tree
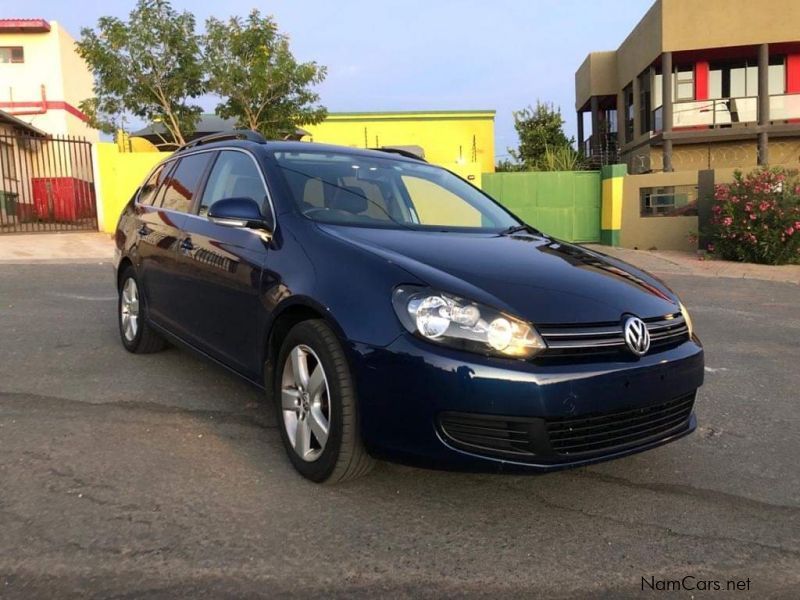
(561,158)
(508,166)
(149,67)
(262,86)
(538,129)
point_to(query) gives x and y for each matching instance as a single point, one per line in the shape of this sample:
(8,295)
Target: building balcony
(727,112)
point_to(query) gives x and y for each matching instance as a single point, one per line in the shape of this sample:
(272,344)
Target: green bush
(757,217)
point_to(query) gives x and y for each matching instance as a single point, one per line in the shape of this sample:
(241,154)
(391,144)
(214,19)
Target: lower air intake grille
(606,432)
(507,437)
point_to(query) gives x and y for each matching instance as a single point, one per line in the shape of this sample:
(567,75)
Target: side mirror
(237,212)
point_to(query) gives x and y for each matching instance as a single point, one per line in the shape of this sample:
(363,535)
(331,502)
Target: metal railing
(784,107)
(600,150)
(727,112)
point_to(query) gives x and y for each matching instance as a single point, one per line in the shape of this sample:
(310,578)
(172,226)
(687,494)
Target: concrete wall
(117,177)
(783,152)
(446,136)
(641,47)
(692,25)
(596,76)
(661,233)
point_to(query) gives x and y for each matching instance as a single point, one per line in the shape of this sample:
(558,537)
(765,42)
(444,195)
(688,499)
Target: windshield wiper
(517,228)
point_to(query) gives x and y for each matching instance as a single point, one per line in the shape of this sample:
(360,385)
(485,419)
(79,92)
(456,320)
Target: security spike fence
(46,183)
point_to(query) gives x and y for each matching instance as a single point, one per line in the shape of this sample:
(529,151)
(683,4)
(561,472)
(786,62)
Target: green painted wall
(564,204)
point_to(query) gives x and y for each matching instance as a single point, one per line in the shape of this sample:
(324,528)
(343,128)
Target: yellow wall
(122,167)
(446,136)
(119,174)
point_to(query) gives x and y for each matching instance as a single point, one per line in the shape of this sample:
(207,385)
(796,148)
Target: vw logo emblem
(636,336)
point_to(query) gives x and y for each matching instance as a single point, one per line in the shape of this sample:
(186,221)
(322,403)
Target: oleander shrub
(757,217)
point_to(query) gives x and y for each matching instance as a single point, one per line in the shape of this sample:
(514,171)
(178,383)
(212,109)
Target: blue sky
(419,54)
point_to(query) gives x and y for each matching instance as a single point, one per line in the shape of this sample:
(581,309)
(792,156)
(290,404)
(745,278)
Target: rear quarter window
(147,193)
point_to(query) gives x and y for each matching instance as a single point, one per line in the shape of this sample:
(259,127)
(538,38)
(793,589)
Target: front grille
(551,440)
(608,338)
(604,432)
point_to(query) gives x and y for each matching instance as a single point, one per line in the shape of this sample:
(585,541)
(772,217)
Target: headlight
(463,324)
(687,318)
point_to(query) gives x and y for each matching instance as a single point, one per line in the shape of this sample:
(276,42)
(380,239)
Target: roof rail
(236,134)
(401,152)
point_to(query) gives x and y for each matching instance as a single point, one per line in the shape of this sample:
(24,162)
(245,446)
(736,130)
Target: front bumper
(407,389)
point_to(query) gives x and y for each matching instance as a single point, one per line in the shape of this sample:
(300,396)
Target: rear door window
(182,185)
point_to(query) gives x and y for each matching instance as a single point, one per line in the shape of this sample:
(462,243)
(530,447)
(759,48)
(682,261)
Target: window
(234,175)
(148,190)
(8,166)
(11,54)
(627,94)
(436,205)
(371,191)
(645,101)
(777,75)
(669,201)
(684,83)
(182,184)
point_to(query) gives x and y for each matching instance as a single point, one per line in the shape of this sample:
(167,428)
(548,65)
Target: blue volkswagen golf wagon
(391,310)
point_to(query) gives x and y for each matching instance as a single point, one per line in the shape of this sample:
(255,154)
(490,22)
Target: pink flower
(763,206)
(789,230)
(752,216)
(727,221)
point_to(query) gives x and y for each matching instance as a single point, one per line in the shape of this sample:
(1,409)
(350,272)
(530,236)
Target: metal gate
(46,183)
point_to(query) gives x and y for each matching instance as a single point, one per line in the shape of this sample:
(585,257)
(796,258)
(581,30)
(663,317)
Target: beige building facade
(42,78)
(696,85)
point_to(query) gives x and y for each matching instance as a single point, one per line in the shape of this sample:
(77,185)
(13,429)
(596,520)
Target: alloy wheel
(305,403)
(129,309)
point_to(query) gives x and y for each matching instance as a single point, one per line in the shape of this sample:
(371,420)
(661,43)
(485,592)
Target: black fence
(46,183)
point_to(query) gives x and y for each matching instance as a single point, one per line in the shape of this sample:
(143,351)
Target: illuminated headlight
(464,324)
(687,318)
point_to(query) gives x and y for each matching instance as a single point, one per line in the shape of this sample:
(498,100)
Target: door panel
(159,232)
(221,267)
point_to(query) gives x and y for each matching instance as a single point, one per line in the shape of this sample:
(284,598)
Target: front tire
(316,406)
(135,332)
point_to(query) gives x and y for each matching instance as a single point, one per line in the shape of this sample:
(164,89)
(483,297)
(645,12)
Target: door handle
(144,230)
(187,244)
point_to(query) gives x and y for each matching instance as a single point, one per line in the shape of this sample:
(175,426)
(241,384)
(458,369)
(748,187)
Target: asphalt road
(162,476)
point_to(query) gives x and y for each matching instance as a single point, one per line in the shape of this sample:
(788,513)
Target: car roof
(297,146)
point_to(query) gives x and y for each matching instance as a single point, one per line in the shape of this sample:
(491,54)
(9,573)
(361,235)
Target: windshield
(384,192)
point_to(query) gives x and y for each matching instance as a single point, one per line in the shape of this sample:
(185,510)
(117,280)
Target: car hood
(535,277)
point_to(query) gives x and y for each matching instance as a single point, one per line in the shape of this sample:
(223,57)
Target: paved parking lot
(163,476)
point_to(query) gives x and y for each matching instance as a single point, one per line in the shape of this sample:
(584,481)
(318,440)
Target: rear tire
(135,331)
(316,406)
